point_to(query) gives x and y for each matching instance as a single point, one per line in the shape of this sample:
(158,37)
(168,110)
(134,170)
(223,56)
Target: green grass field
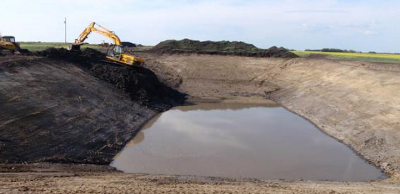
(38,46)
(370,57)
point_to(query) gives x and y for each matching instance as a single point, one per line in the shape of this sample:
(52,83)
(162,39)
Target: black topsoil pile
(128,44)
(141,84)
(219,48)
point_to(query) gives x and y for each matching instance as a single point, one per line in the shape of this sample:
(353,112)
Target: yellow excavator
(8,43)
(115,51)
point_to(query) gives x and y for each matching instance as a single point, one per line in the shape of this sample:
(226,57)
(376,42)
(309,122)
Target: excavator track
(138,65)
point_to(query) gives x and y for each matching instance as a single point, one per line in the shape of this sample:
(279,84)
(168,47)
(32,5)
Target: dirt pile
(128,44)
(218,48)
(84,58)
(141,84)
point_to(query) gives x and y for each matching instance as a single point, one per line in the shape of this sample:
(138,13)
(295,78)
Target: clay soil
(354,102)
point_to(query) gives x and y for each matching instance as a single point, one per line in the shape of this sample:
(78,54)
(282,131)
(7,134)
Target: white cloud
(368,32)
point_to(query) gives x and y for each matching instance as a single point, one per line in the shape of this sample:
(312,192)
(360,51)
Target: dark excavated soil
(187,46)
(128,44)
(141,84)
(58,107)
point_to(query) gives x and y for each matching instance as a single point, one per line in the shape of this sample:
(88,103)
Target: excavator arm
(115,52)
(103,31)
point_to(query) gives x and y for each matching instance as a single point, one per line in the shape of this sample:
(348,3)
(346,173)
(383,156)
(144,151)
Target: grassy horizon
(370,57)
(39,46)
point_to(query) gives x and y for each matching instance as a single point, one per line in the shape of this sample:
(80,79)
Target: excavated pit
(30,81)
(351,101)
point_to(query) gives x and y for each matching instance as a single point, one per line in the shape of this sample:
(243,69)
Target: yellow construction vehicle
(115,51)
(8,43)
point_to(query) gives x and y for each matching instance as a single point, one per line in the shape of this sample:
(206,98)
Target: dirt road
(92,179)
(355,102)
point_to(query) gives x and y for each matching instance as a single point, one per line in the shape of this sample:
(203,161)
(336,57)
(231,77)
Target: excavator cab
(8,43)
(115,52)
(8,39)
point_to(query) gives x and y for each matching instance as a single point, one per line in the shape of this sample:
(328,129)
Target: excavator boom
(115,52)
(103,31)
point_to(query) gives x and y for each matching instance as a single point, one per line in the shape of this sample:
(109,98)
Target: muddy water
(237,141)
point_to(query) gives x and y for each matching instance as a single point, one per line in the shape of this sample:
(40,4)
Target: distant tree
(337,50)
(332,50)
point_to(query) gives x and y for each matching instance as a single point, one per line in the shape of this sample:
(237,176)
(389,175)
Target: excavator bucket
(74,47)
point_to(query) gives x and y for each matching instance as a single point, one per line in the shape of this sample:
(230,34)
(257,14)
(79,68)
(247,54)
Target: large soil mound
(141,84)
(219,48)
(129,44)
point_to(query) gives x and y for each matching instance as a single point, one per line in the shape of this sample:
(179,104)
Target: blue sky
(369,25)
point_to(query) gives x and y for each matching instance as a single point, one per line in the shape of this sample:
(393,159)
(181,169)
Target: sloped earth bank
(354,102)
(54,110)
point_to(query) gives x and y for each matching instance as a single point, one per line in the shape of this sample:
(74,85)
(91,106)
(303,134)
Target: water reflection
(257,142)
(137,139)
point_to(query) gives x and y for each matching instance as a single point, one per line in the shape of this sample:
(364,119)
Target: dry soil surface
(57,178)
(355,102)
